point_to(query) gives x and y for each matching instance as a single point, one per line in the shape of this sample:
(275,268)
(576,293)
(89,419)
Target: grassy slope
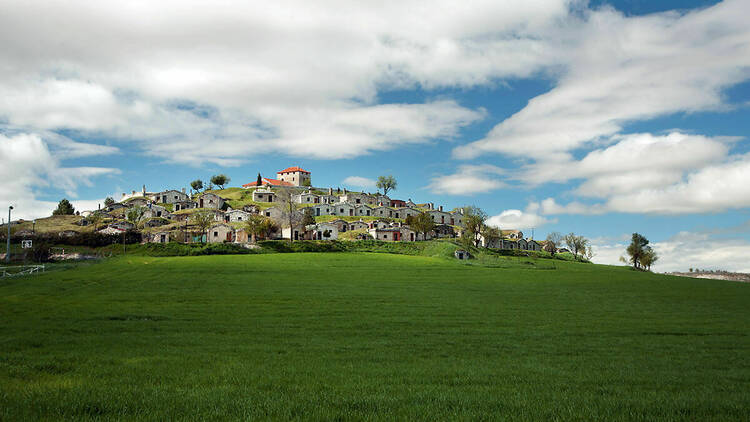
(370,336)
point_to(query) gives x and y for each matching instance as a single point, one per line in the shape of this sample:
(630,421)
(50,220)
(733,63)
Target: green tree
(387,183)
(308,217)
(108,201)
(474,221)
(197,185)
(648,258)
(638,245)
(95,218)
(422,223)
(259,226)
(135,214)
(204,219)
(64,207)
(220,180)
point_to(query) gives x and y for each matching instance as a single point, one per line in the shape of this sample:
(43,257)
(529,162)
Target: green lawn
(370,336)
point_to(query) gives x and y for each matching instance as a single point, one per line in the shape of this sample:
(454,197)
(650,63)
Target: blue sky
(600,118)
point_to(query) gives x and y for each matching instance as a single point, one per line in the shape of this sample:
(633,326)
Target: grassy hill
(370,336)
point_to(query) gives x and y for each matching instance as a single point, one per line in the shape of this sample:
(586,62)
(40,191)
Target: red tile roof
(266,181)
(293,169)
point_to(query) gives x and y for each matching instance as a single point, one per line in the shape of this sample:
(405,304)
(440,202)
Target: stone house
(152,210)
(397,203)
(341,225)
(169,196)
(219,233)
(211,200)
(440,216)
(357,198)
(364,210)
(185,205)
(322,231)
(444,230)
(407,234)
(379,224)
(264,195)
(273,213)
(159,237)
(457,218)
(306,198)
(343,209)
(387,234)
(533,245)
(381,211)
(512,234)
(234,216)
(122,225)
(115,206)
(137,202)
(323,209)
(461,254)
(328,199)
(523,244)
(358,225)
(407,212)
(296,176)
(382,200)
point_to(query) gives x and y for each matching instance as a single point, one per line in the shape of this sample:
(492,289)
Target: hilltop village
(225,215)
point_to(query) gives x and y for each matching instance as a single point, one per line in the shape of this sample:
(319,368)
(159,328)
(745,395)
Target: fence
(20,270)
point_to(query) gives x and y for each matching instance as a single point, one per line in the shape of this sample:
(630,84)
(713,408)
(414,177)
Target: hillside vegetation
(337,336)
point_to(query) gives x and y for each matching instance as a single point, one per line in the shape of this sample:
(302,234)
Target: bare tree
(554,240)
(491,235)
(290,214)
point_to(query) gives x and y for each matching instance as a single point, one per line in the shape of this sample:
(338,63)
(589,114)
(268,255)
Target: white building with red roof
(292,176)
(295,175)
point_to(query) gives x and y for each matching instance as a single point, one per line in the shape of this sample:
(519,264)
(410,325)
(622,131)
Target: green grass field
(331,336)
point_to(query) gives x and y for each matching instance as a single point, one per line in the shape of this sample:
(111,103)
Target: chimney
(183,190)
(123,194)
(344,191)
(441,208)
(99,206)
(133,193)
(330,191)
(144,190)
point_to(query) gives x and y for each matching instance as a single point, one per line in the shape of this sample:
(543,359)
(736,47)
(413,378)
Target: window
(216,234)
(385,236)
(268,214)
(359,201)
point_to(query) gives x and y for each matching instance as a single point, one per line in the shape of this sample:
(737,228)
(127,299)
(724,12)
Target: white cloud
(192,82)
(686,250)
(621,69)
(520,220)
(359,182)
(469,180)
(713,188)
(28,164)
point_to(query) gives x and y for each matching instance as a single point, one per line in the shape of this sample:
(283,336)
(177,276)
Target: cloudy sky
(601,118)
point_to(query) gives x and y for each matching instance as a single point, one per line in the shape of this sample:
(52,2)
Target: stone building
(296,176)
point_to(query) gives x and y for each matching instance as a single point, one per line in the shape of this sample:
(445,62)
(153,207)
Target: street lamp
(7,249)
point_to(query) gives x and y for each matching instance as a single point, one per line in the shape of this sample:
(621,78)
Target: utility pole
(7,250)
